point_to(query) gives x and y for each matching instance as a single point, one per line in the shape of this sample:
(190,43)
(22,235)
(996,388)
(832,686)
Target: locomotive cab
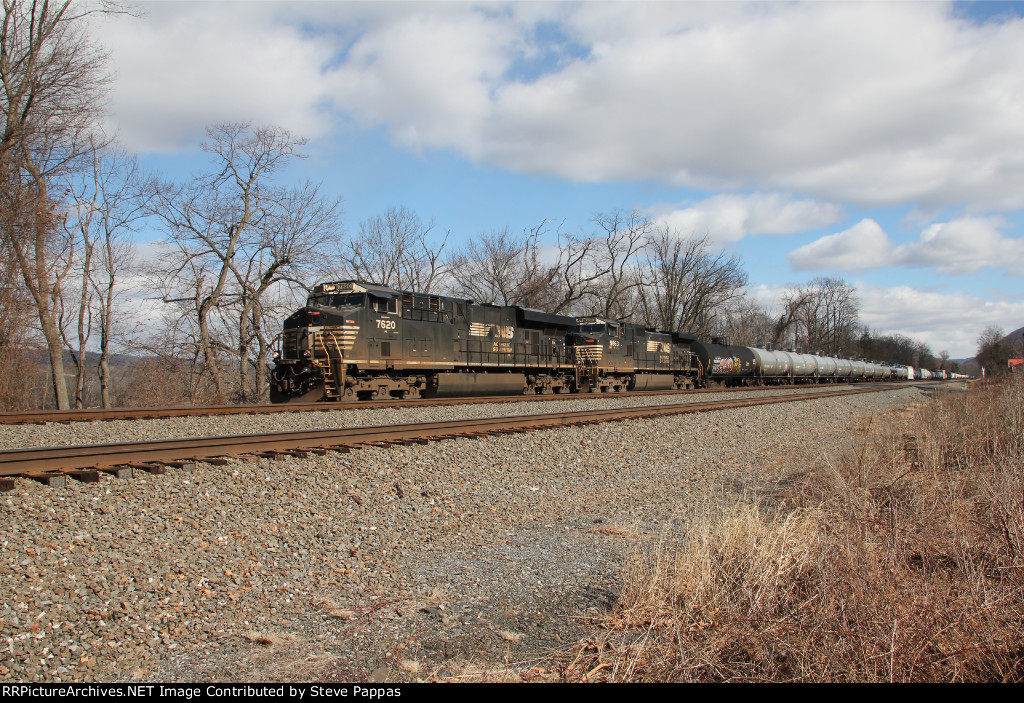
(319,343)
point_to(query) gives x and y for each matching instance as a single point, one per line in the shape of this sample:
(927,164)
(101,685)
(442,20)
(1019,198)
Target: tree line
(241,245)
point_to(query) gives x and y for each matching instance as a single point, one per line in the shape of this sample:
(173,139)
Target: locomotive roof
(545,318)
(525,314)
(351,286)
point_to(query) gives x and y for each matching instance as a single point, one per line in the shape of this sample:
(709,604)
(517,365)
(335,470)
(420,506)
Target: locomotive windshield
(345,300)
(591,329)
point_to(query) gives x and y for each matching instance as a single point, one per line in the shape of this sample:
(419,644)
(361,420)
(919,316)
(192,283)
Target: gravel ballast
(395,563)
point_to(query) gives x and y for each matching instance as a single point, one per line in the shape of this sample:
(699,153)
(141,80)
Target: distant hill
(970,366)
(1015,336)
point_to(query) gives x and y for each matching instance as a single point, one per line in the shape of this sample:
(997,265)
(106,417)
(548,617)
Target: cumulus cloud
(933,317)
(872,103)
(186,66)
(428,77)
(729,218)
(863,246)
(963,245)
(936,318)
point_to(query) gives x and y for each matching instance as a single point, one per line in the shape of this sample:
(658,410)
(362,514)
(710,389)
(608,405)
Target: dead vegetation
(902,561)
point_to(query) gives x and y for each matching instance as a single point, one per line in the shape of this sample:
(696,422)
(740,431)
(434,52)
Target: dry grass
(903,561)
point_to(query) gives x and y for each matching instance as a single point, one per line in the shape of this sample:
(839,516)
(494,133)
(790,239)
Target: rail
(37,462)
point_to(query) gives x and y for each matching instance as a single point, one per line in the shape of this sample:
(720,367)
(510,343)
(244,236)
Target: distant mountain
(1016,336)
(970,365)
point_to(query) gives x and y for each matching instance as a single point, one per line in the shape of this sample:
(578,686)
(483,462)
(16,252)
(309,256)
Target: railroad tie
(156,469)
(85,476)
(119,471)
(53,480)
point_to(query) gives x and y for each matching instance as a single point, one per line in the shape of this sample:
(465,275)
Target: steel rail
(48,459)
(102,414)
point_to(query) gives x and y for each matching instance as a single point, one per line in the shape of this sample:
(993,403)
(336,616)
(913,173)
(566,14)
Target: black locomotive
(357,340)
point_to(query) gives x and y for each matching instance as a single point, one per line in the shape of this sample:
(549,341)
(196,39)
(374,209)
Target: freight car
(356,340)
(740,366)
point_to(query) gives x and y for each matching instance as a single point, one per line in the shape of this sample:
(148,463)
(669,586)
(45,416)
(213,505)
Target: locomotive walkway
(52,465)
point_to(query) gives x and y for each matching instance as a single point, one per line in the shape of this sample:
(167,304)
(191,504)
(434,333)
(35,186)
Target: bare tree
(746,323)
(831,314)
(290,250)
(619,239)
(234,234)
(16,344)
(394,250)
(51,83)
(688,286)
(506,269)
(108,201)
(822,315)
(993,350)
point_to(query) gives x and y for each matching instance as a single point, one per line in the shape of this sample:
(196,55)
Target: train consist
(356,340)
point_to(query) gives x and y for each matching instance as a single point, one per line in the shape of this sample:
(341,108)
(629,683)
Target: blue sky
(880,142)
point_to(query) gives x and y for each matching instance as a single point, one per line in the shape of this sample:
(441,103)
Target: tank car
(723,363)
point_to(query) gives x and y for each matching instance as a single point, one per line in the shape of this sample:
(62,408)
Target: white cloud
(428,77)
(930,316)
(863,246)
(936,318)
(964,245)
(960,246)
(186,66)
(729,218)
(873,103)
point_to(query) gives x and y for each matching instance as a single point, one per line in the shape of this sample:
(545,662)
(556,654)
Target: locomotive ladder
(332,385)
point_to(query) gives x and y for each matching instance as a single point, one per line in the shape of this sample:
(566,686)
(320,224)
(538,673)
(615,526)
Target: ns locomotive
(356,340)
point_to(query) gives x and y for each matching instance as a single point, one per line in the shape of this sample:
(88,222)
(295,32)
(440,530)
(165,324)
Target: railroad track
(53,465)
(43,416)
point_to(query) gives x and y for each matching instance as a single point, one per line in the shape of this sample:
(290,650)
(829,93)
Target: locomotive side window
(386,305)
(337,301)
